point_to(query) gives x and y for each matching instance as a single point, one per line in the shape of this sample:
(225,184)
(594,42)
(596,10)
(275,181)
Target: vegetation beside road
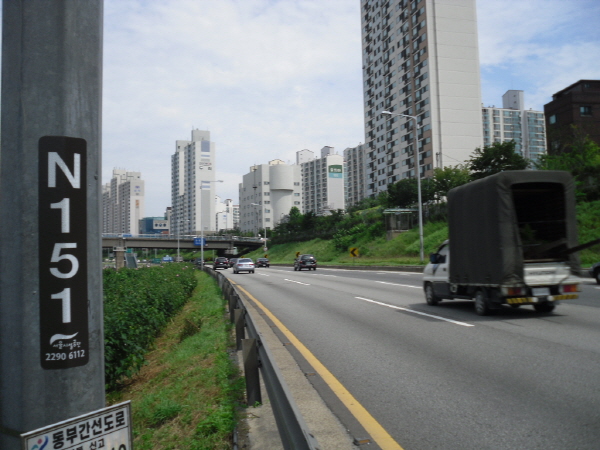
(188,393)
(404,248)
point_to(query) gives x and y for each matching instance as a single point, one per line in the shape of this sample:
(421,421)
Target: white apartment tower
(420,59)
(512,122)
(123,202)
(227,214)
(193,185)
(322,181)
(267,194)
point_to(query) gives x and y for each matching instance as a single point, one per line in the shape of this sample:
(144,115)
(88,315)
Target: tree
(498,157)
(449,178)
(404,193)
(582,158)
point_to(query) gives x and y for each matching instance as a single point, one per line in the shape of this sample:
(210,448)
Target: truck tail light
(570,288)
(516,291)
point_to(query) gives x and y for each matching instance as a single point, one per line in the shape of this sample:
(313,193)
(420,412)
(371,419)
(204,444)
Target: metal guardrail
(292,429)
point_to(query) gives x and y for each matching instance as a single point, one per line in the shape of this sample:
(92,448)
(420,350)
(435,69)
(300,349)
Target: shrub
(137,305)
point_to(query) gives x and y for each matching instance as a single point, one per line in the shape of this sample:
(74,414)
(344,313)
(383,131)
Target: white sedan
(243,265)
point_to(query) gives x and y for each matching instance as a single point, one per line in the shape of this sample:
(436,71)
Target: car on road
(262,262)
(221,263)
(232,261)
(305,262)
(243,265)
(595,272)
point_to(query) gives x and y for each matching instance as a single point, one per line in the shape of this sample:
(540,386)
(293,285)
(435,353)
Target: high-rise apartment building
(227,214)
(420,59)
(322,181)
(193,185)
(354,171)
(267,194)
(513,123)
(123,202)
(576,105)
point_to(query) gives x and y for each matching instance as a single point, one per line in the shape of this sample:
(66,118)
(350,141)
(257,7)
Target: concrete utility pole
(51,335)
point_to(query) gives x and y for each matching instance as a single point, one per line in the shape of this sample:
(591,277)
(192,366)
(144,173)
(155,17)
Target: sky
(268,78)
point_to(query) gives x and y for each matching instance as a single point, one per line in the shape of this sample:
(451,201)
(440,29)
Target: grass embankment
(188,393)
(404,248)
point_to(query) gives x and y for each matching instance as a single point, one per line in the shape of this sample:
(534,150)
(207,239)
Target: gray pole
(51,334)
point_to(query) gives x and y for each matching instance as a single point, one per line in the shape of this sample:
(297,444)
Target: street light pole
(256,212)
(417,169)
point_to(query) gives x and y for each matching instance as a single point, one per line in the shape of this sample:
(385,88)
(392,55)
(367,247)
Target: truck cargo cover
(486,245)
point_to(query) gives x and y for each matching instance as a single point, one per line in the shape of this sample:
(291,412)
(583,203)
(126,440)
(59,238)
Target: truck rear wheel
(545,307)
(482,307)
(430,297)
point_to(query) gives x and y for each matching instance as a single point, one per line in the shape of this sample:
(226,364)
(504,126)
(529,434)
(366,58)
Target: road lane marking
(396,284)
(369,423)
(298,282)
(400,308)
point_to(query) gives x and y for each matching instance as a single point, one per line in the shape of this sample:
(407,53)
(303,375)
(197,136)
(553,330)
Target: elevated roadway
(224,245)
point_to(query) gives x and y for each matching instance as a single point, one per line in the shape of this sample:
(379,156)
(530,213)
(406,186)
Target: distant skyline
(268,78)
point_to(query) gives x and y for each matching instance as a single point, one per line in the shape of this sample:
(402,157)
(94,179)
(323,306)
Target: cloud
(538,46)
(266,78)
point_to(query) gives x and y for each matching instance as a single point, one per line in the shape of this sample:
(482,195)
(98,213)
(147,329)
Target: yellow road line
(374,428)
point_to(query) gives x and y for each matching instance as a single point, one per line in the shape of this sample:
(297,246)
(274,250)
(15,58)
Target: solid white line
(416,312)
(294,281)
(396,284)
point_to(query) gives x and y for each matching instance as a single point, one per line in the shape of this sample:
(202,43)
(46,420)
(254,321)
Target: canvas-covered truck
(512,240)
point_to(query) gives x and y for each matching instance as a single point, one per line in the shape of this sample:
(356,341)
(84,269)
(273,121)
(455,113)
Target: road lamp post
(200,220)
(418,171)
(257,227)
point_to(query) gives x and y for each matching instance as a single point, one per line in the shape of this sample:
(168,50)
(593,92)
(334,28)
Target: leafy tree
(582,159)
(498,157)
(449,178)
(405,193)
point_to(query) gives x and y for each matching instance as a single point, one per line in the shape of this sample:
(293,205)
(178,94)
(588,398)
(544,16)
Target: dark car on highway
(262,262)
(305,262)
(232,261)
(221,263)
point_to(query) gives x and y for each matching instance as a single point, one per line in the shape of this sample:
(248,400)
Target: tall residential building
(193,185)
(354,172)
(578,105)
(512,122)
(123,202)
(322,181)
(267,194)
(227,214)
(421,59)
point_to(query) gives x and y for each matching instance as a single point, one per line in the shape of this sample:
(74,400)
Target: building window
(552,119)
(585,110)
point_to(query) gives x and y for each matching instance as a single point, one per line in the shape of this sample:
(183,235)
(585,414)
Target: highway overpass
(224,245)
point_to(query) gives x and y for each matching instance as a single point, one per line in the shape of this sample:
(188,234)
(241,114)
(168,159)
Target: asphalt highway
(401,374)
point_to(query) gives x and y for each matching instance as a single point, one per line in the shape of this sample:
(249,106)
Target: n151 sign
(62,226)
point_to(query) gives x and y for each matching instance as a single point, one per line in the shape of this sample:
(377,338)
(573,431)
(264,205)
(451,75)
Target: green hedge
(137,305)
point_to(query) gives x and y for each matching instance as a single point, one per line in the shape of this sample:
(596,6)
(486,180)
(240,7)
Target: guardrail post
(250,356)
(232,304)
(239,327)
